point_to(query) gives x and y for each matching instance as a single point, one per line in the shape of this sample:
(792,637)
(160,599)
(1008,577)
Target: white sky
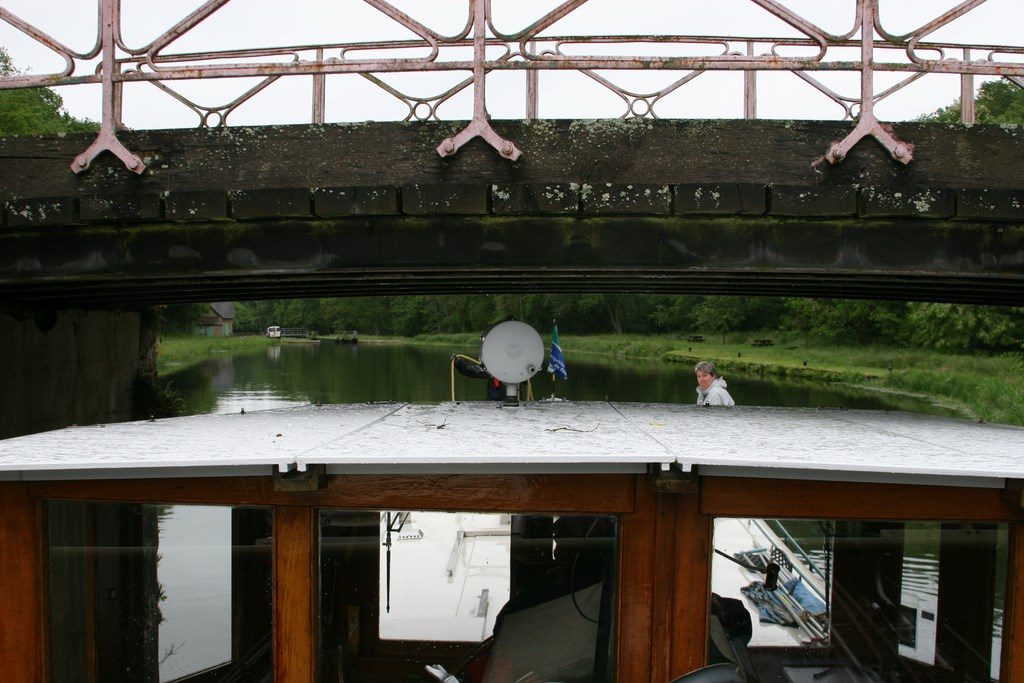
(350,97)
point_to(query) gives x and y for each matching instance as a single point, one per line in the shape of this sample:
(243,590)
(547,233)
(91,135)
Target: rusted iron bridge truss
(531,49)
(653,203)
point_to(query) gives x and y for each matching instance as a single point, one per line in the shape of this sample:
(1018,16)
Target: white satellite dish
(512,352)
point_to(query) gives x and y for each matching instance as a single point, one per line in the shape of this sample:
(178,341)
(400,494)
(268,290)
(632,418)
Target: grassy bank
(176,353)
(989,387)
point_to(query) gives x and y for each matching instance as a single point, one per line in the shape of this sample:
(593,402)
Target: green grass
(987,387)
(176,353)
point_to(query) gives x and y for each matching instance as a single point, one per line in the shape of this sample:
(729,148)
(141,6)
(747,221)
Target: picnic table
(695,338)
(762,342)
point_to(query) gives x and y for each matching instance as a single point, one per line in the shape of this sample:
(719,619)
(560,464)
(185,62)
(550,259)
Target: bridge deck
(642,206)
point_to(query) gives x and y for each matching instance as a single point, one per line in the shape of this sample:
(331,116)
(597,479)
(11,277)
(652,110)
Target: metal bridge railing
(531,50)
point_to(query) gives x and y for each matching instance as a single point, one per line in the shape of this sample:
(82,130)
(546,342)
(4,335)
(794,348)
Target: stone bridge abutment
(73,366)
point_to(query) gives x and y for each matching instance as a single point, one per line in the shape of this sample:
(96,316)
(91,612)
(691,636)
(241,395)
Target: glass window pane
(449,575)
(491,597)
(159,592)
(858,600)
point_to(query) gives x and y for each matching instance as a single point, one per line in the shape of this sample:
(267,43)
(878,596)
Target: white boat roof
(561,436)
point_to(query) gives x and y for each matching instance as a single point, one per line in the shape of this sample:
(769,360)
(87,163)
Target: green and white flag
(556,361)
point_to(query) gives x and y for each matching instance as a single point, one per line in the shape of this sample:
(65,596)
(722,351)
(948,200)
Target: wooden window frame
(808,499)
(664,546)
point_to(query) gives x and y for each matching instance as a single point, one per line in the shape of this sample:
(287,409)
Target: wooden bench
(695,338)
(762,342)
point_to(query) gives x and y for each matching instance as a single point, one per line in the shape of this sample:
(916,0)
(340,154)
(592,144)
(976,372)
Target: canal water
(298,374)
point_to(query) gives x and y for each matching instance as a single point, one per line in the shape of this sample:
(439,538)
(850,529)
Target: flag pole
(556,362)
(554,326)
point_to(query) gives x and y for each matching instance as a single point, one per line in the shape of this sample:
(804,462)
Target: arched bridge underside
(730,207)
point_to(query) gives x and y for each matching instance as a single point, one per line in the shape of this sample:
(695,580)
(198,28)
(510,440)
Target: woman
(710,387)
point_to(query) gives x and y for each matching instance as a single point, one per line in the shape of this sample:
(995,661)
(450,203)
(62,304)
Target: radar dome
(512,351)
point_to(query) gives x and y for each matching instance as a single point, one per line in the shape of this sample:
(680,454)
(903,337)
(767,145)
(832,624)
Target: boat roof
(542,436)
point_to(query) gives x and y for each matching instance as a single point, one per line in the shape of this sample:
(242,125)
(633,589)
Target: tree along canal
(295,374)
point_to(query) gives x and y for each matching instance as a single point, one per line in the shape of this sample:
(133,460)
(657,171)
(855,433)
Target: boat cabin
(545,542)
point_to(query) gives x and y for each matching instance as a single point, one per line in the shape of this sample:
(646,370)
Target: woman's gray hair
(706,366)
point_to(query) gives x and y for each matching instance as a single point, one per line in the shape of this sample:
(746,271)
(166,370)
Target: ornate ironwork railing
(531,50)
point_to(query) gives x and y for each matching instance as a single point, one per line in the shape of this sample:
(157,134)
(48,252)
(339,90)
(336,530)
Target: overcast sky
(262,23)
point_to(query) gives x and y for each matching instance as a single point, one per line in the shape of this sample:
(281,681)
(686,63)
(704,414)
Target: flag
(556,362)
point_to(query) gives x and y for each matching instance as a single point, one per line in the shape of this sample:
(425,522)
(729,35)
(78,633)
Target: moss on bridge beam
(732,206)
(652,152)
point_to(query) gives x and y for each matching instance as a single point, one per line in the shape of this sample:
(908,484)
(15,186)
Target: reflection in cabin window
(820,600)
(159,592)
(413,596)
(460,601)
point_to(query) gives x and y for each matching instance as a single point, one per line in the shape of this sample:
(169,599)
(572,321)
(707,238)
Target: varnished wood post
(693,531)
(295,587)
(666,542)
(21,586)
(1012,665)
(636,588)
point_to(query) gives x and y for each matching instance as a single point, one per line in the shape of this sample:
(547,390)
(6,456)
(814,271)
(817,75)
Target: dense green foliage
(944,327)
(415,315)
(34,111)
(996,102)
(176,319)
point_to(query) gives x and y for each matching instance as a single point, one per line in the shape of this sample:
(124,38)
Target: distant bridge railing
(531,50)
(298,332)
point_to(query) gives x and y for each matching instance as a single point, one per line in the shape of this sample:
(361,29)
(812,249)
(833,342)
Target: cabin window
(158,592)
(491,597)
(858,600)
